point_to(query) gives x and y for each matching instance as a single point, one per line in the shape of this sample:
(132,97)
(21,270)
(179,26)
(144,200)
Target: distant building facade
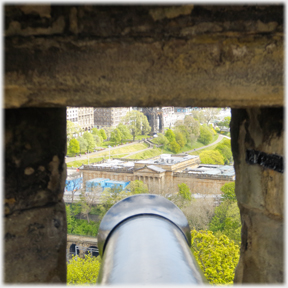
(109,117)
(84,116)
(163,174)
(72,114)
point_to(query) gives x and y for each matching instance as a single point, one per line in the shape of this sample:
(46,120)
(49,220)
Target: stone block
(35,245)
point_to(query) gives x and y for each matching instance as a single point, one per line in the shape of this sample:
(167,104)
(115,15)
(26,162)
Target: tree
(98,140)
(205,135)
(111,196)
(108,131)
(90,140)
(199,213)
(74,146)
(193,125)
(95,131)
(184,191)
(72,129)
(217,257)
(228,190)
(180,138)
(174,147)
(210,114)
(137,187)
(225,122)
(83,143)
(83,271)
(116,136)
(211,157)
(218,221)
(169,134)
(124,131)
(103,134)
(161,140)
(225,151)
(198,115)
(88,199)
(137,123)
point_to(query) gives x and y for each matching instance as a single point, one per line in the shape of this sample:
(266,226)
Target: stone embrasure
(167,56)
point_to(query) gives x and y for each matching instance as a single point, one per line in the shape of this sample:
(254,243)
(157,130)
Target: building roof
(168,159)
(225,170)
(156,168)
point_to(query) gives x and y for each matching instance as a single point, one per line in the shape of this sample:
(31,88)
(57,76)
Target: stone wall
(35,173)
(260,194)
(143,56)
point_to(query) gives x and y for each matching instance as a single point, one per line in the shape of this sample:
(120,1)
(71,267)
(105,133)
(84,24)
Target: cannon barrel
(145,239)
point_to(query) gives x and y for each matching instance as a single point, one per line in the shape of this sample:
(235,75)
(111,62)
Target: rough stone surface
(35,170)
(144,56)
(259,192)
(35,246)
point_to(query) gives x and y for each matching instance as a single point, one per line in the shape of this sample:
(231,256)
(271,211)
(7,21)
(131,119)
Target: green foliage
(137,187)
(79,226)
(83,144)
(161,140)
(111,196)
(95,131)
(90,140)
(124,131)
(174,147)
(192,125)
(225,122)
(170,135)
(180,138)
(115,136)
(217,257)
(205,135)
(220,213)
(226,152)
(98,140)
(83,270)
(103,134)
(229,191)
(184,191)
(137,123)
(74,146)
(232,228)
(211,157)
(72,129)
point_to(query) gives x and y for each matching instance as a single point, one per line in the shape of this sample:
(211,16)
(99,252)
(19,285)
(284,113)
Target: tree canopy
(124,131)
(90,140)
(211,157)
(169,134)
(83,271)
(103,134)
(205,135)
(137,187)
(137,123)
(74,146)
(217,257)
(83,143)
(174,147)
(228,190)
(184,191)
(116,136)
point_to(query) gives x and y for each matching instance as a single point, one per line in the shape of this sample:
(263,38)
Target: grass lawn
(208,148)
(146,154)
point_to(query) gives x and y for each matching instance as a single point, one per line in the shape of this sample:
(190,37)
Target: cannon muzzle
(145,239)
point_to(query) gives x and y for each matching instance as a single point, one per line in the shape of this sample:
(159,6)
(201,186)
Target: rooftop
(207,169)
(168,159)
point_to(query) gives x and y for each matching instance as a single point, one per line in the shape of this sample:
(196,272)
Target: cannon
(145,239)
